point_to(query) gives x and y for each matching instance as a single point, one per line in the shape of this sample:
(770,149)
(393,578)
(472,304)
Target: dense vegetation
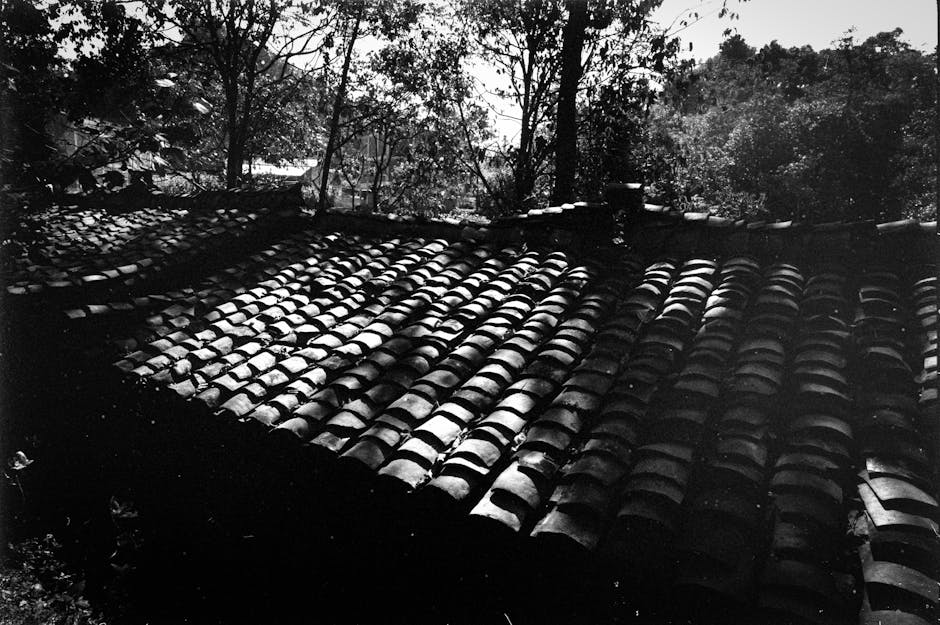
(427,105)
(843,133)
(399,98)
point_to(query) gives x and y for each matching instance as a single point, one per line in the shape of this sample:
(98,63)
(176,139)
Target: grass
(37,587)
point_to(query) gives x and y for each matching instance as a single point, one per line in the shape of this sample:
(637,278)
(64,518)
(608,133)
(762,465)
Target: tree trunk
(234,158)
(337,108)
(235,151)
(566,128)
(376,190)
(523,170)
(524,182)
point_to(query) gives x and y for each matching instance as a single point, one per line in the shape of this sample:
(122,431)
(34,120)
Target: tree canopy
(421,105)
(842,133)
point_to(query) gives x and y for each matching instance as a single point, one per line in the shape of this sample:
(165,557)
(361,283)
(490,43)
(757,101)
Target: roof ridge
(713,220)
(133,198)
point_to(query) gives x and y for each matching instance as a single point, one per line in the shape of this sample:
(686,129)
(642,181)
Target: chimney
(626,197)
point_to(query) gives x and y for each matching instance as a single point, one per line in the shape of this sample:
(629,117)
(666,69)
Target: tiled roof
(708,421)
(108,248)
(725,410)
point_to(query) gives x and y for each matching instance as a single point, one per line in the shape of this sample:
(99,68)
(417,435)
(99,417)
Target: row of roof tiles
(131,199)
(67,250)
(901,560)
(620,405)
(667,215)
(63,248)
(626,407)
(588,217)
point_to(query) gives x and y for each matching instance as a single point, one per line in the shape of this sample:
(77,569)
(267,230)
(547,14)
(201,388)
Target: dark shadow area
(174,514)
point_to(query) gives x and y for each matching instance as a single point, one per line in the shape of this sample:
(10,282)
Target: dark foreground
(162,523)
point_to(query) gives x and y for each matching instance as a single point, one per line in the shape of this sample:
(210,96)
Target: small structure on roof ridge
(626,197)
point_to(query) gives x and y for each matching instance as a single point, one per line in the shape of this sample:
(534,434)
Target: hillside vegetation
(843,133)
(426,106)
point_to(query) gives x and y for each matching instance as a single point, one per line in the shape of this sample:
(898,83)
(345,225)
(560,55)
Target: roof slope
(708,421)
(111,246)
(719,411)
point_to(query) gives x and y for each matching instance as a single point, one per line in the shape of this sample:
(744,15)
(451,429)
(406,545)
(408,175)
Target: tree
(101,94)
(735,50)
(566,130)
(554,58)
(794,133)
(522,41)
(409,117)
(427,170)
(401,132)
(31,81)
(612,125)
(380,20)
(351,27)
(607,47)
(370,151)
(249,47)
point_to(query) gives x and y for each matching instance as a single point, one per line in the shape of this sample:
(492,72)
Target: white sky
(799,22)
(817,23)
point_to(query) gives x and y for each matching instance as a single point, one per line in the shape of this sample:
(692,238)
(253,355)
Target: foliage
(793,133)
(522,41)
(617,47)
(36,587)
(393,97)
(43,91)
(29,87)
(410,129)
(611,135)
(430,175)
(245,51)
(83,97)
(382,21)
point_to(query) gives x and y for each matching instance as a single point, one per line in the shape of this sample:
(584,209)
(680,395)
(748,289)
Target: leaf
(76,589)
(113,178)
(141,177)
(86,179)
(19,461)
(122,509)
(201,106)
(174,155)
